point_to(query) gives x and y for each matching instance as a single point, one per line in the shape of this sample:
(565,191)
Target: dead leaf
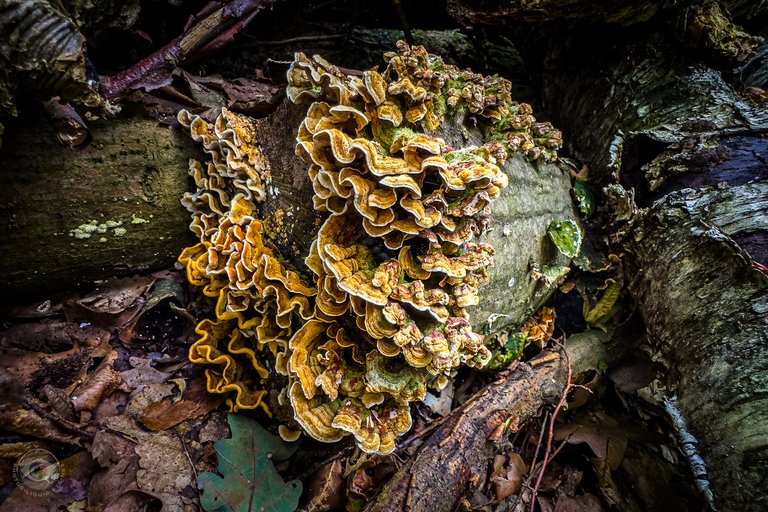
(326,489)
(141,398)
(142,374)
(117,456)
(632,374)
(161,467)
(99,384)
(166,414)
(602,433)
(508,475)
(164,470)
(59,401)
(361,485)
(156,321)
(608,489)
(133,500)
(584,389)
(16,450)
(15,417)
(584,503)
(113,304)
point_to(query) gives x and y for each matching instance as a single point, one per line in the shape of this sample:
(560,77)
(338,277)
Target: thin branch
(551,431)
(293,40)
(209,34)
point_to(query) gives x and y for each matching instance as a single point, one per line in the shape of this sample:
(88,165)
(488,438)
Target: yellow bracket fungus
(395,264)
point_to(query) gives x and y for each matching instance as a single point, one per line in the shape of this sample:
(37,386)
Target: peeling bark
(706,311)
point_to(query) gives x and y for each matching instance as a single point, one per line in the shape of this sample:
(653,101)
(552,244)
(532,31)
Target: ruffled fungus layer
(395,263)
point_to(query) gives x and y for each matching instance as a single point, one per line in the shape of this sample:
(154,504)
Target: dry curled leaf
(99,384)
(326,488)
(508,475)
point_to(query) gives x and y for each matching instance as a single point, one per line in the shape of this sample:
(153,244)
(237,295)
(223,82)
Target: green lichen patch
(94,227)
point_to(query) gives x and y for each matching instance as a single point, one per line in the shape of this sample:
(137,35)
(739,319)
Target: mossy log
(71,216)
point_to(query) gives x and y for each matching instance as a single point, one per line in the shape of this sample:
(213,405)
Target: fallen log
(676,134)
(453,462)
(73,216)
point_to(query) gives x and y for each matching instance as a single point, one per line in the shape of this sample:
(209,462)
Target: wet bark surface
(453,462)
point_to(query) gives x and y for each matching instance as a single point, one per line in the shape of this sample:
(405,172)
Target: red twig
(551,431)
(210,33)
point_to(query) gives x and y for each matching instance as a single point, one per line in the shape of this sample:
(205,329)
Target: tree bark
(65,229)
(674,130)
(72,216)
(706,309)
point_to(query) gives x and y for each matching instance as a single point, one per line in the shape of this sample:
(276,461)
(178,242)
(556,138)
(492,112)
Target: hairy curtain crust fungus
(395,264)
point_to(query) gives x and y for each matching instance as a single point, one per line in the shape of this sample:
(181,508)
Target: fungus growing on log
(395,263)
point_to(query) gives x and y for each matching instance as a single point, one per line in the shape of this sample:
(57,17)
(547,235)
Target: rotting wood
(453,461)
(134,173)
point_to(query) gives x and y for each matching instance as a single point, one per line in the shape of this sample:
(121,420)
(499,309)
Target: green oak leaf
(248,480)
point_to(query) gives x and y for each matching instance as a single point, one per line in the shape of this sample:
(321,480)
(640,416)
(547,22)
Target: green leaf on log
(566,236)
(248,479)
(603,310)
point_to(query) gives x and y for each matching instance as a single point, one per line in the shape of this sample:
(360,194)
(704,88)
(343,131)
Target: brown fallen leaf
(117,456)
(164,470)
(59,401)
(326,489)
(166,414)
(113,304)
(16,417)
(608,489)
(16,450)
(632,374)
(584,503)
(604,435)
(508,475)
(142,373)
(133,500)
(100,383)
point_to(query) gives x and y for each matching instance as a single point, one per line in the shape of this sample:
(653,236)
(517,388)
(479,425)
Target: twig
(403,21)
(192,464)
(292,40)
(32,403)
(551,432)
(538,444)
(205,36)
